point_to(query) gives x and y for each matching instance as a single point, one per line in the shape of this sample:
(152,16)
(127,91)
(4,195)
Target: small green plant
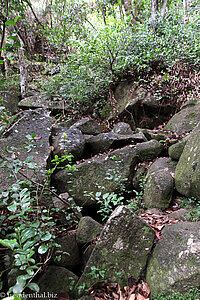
(193,206)
(4,116)
(29,229)
(192,294)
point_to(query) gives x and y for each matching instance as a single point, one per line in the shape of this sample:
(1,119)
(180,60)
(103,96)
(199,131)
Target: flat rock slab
(122,250)
(41,101)
(175,263)
(31,122)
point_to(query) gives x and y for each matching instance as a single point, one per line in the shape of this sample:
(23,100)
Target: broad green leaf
(33,286)
(46,237)
(16,18)
(10,22)
(43,249)
(9,243)
(19,286)
(27,234)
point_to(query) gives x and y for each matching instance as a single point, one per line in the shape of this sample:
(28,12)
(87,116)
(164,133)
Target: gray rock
(175,263)
(159,184)
(122,128)
(179,214)
(70,256)
(149,150)
(93,175)
(187,174)
(88,229)
(185,120)
(105,141)
(88,126)
(63,209)
(176,150)
(55,280)
(122,250)
(138,176)
(31,122)
(10,101)
(106,173)
(69,141)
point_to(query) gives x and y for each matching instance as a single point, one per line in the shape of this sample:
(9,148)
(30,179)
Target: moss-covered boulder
(106,173)
(68,255)
(122,128)
(175,263)
(176,150)
(88,229)
(69,141)
(187,174)
(185,120)
(56,280)
(122,250)
(159,184)
(88,126)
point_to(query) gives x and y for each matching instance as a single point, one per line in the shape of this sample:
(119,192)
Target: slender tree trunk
(163,9)
(154,9)
(185,8)
(23,70)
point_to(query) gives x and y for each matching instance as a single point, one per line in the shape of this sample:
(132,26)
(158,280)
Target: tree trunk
(23,70)
(163,9)
(154,9)
(185,8)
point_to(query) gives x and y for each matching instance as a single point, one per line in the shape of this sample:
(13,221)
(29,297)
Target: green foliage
(193,207)
(192,294)
(28,229)
(100,55)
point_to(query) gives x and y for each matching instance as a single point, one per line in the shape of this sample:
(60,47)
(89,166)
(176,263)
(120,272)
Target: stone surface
(175,263)
(88,229)
(93,175)
(41,101)
(187,174)
(176,150)
(88,126)
(185,120)
(10,101)
(159,184)
(63,209)
(122,250)
(105,141)
(149,150)
(69,141)
(106,173)
(31,122)
(70,256)
(55,280)
(122,128)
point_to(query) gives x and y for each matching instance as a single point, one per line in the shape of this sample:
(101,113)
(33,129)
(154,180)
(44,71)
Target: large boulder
(56,280)
(10,101)
(122,128)
(159,184)
(106,173)
(187,174)
(175,263)
(185,120)
(105,141)
(36,123)
(69,141)
(69,255)
(93,175)
(122,250)
(137,106)
(176,149)
(88,229)
(88,126)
